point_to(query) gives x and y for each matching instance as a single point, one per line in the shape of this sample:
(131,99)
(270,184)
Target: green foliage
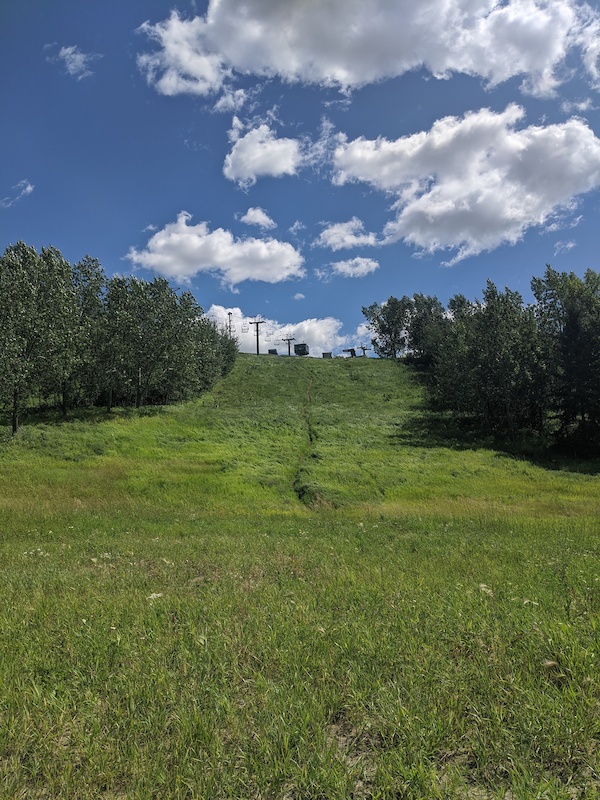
(71,332)
(89,281)
(513,368)
(37,312)
(569,314)
(388,323)
(58,319)
(494,367)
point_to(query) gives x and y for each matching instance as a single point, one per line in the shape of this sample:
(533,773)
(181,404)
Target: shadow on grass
(432,429)
(46,415)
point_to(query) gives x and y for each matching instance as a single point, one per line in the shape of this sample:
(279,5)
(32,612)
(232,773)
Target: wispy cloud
(230,101)
(577,106)
(20,189)
(76,63)
(564,247)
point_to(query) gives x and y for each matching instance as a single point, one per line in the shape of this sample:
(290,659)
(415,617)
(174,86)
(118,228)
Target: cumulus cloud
(343,235)
(259,153)
(350,43)
(19,190)
(181,251)
(363,332)
(299,296)
(354,267)
(258,216)
(321,335)
(77,63)
(185,62)
(472,183)
(588,38)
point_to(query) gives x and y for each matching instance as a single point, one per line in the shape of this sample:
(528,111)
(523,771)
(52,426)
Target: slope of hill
(280,433)
(298,586)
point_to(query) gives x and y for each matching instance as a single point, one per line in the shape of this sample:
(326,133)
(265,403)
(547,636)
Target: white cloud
(343,235)
(299,296)
(185,63)
(577,106)
(588,38)
(181,251)
(77,63)
(257,216)
(20,189)
(321,335)
(363,332)
(472,183)
(564,247)
(297,228)
(231,101)
(260,153)
(350,43)
(354,267)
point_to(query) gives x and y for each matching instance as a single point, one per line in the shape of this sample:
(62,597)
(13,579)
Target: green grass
(296,587)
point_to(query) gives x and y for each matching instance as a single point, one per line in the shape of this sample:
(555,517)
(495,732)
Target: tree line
(509,366)
(71,336)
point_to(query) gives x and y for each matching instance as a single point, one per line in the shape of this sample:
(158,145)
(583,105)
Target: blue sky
(296,161)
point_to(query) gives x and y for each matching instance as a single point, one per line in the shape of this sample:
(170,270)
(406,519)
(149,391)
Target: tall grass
(294,588)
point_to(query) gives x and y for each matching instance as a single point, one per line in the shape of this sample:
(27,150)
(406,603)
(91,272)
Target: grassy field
(302,586)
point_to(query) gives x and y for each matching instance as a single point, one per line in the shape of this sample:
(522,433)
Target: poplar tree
(89,282)
(568,312)
(388,324)
(58,320)
(22,333)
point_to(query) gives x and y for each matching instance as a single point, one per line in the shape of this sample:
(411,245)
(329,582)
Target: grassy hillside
(299,586)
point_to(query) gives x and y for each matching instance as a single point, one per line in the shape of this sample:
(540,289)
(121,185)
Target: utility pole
(288,339)
(229,314)
(258,322)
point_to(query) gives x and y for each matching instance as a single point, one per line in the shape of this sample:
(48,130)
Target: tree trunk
(65,400)
(15,412)
(138,391)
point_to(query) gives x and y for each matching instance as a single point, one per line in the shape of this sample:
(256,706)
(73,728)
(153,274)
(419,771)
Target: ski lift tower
(257,322)
(289,340)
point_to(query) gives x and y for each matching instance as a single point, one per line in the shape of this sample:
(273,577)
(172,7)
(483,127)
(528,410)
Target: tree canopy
(511,366)
(70,332)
